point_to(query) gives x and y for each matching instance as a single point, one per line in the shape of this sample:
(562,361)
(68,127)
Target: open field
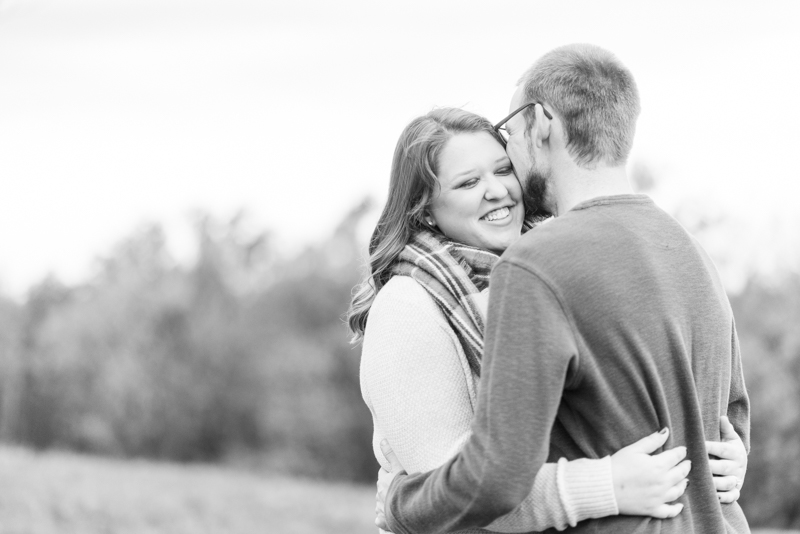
(65,493)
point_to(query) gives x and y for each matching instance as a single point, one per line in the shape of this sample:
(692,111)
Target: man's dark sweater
(605,325)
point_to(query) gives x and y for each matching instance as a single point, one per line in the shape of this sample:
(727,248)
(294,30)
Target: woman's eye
(505,171)
(472,182)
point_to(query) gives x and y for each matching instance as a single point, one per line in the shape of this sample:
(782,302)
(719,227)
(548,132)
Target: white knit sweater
(418,385)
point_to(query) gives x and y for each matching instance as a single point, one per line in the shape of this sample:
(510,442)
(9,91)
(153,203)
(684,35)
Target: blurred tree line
(243,357)
(767,316)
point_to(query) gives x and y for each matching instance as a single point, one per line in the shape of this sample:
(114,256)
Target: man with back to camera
(604,323)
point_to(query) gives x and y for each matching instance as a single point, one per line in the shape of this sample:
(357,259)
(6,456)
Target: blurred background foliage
(243,358)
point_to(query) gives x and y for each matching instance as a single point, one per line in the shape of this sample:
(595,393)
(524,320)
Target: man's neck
(578,184)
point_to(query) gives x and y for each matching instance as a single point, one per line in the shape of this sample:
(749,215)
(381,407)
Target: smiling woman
(479,200)
(427,171)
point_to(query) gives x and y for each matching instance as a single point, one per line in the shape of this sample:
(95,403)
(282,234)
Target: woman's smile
(499,215)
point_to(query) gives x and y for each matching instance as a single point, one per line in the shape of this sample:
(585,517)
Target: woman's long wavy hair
(412,186)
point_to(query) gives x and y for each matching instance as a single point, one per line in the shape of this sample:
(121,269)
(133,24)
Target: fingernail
(663,430)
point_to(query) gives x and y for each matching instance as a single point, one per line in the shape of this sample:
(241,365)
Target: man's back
(655,344)
(604,326)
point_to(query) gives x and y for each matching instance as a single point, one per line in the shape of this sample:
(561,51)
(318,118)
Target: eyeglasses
(503,132)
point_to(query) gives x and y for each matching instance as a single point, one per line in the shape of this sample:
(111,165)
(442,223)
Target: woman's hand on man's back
(647,483)
(729,462)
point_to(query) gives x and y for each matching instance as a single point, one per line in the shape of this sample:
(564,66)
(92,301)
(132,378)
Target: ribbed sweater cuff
(587,489)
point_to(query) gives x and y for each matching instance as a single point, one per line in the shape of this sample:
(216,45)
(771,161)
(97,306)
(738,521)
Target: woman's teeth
(500,213)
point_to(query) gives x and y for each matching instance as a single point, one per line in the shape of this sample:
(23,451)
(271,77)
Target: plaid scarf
(451,272)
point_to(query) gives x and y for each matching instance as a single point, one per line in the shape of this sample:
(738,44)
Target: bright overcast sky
(115,113)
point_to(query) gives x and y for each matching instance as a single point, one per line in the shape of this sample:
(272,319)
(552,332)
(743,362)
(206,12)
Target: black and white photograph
(420,267)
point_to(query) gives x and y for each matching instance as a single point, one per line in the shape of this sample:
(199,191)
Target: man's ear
(540,130)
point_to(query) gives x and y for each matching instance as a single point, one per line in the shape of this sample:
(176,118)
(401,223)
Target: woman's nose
(495,190)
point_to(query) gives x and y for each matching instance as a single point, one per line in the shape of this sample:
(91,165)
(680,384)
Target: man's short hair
(595,96)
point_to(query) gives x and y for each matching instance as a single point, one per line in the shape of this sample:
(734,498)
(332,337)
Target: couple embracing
(601,390)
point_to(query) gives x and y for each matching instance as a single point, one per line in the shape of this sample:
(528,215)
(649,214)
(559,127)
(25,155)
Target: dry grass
(66,493)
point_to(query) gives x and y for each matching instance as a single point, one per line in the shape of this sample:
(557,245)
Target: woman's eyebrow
(464,173)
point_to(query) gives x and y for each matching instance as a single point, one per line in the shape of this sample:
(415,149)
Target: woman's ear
(427,220)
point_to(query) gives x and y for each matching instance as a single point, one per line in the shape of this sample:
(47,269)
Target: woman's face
(479,202)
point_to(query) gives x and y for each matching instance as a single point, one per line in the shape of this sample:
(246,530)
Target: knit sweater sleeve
(418,386)
(412,378)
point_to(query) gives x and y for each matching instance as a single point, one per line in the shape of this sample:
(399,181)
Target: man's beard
(535,195)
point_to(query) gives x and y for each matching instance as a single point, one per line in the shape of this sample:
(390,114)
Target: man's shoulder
(547,238)
(601,222)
